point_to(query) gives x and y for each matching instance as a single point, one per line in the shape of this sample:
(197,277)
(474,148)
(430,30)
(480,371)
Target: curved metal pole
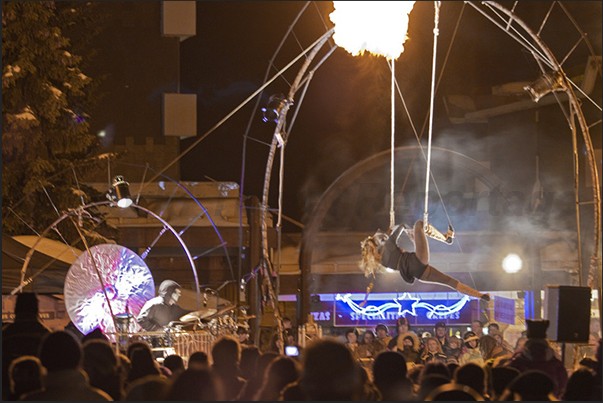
(264,206)
(591,160)
(82,208)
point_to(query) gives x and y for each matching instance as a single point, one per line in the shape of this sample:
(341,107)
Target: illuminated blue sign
(352,312)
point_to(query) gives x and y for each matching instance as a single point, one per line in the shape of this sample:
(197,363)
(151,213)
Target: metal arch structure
(77,212)
(350,176)
(279,139)
(575,117)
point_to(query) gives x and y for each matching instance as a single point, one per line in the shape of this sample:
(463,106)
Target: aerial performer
(382,250)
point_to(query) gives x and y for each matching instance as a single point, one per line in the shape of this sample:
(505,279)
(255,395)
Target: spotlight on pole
(512,263)
(549,82)
(120,192)
(272,111)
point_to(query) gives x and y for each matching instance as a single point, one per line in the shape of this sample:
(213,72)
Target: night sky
(345,116)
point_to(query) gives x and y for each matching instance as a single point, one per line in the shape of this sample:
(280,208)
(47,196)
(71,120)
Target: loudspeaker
(568,310)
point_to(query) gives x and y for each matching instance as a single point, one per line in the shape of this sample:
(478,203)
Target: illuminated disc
(127,280)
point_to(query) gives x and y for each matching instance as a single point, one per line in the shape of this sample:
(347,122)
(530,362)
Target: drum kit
(109,292)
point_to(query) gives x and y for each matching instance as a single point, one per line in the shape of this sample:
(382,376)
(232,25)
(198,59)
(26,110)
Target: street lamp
(512,263)
(119,192)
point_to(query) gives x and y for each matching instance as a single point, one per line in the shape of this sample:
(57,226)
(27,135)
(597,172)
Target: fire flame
(378,27)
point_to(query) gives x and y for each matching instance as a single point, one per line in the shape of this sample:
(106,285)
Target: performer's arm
(145,318)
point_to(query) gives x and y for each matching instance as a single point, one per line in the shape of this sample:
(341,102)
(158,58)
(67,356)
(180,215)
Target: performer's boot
(432,232)
(463,289)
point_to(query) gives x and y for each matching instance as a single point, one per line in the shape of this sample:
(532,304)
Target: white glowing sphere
(124,203)
(512,263)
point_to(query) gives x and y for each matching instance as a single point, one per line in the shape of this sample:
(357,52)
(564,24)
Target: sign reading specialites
(350,310)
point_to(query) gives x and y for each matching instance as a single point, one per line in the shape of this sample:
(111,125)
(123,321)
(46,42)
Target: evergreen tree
(45,95)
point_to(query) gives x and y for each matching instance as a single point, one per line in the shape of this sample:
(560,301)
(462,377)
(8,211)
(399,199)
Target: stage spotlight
(548,82)
(272,111)
(512,263)
(120,192)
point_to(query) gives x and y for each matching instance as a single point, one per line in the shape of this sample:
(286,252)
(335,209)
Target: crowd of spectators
(55,365)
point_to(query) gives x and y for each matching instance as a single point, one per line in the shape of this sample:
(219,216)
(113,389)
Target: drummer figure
(157,313)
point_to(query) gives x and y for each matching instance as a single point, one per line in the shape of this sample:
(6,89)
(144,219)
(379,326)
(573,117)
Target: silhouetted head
(59,351)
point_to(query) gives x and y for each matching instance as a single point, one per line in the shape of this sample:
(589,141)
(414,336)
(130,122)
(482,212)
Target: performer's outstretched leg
(433,275)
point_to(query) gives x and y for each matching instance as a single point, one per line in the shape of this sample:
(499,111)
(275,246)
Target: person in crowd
(61,354)
(433,351)
(531,385)
(174,363)
(389,376)
(453,351)
(453,392)
(538,355)
(452,366)
(472,352)
(410,347)
(124,365)
(142,362)
(198,360)
(226,356)
(435,367)
(95,334)
(424,337)
(249,360)
(329,373)
(160,311)
(429,383)
(148,388)
(196,385)
(477,327)
(26,374)
(472,375)
(441,334)
(414,375)
(100,363)
(520,343)
(580,386)
(281,372)
(23,336)
(253,385)
(490,350)
(370,392)
(597,368)
(243,336)
(382,251)
(493,326)
(287,324)
(498,380)
(402,327)
(500,340)
(366,347)
(351,337)
(383,338)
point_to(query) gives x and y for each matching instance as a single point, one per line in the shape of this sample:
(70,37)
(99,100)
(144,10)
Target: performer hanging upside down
(381,251)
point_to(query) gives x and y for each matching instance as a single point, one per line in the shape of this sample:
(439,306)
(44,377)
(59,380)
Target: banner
(504,310)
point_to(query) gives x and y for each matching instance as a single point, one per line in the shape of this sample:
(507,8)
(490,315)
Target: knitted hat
(537,328)
(381,326)
(440,324)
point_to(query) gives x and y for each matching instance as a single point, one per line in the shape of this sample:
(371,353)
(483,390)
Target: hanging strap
(437,5)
